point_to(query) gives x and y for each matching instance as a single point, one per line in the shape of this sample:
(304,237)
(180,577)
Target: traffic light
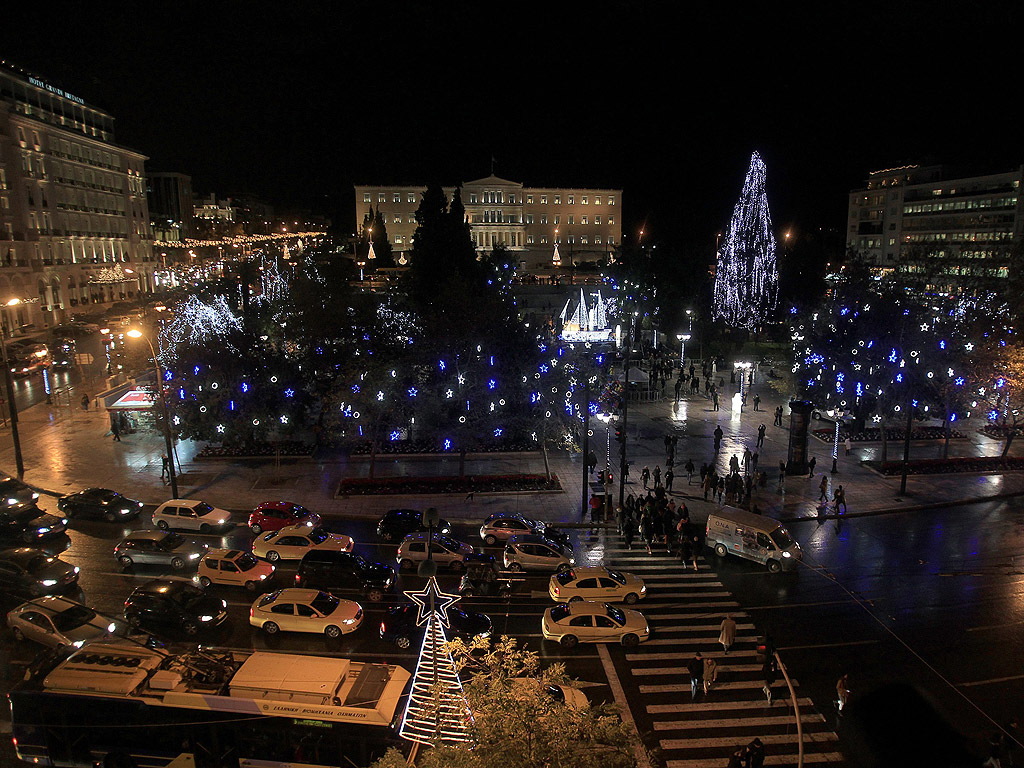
(620,436)
(762,652)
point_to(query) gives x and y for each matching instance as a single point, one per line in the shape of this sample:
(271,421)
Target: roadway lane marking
(707,627)
(992,681)
(736,722)
(681,672)
(705,706)
(619,695)
(825,645)
(995,626)
(787,759)
(739,685)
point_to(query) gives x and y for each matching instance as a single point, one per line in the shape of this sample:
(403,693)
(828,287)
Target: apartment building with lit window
(74,219)
(928,208)
(584,223)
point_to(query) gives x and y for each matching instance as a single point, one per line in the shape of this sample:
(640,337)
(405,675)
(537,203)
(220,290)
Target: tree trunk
(373,457)
(1010,432)
(885,442)
(947,430)
(462,463)
(547,466)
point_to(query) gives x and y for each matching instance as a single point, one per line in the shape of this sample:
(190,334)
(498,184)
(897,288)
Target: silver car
(501,525)
(536,553)
(58,622)
(159,548)
(444,550)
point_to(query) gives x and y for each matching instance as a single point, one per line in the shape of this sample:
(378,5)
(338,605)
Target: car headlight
(49,582)
(348,621)
(35,496)
(223,521)
(206,618)
(193,556)
(485,634)
(76,569)
(111,627)
(78,643)
(44,529)
(139,503)
(12,501)
(223,603)
(787,554)
(125,511)
(643,589)
(64,521)
(263,576)
(572,561)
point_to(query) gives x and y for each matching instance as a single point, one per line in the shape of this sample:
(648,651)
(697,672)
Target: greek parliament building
(74,223)
(931,208)
(585,224)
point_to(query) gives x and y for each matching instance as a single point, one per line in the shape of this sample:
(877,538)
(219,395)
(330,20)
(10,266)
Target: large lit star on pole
(432,599)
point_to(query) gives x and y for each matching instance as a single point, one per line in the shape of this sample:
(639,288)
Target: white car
(590,622)
(305,610)
(444,550)
(294,541)
(572,697)
(526,552)
(596,583)
(57,622)
(234,567)
(190,514)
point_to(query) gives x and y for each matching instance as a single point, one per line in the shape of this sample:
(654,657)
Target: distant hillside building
(529,221)
(74,218)
(929,208)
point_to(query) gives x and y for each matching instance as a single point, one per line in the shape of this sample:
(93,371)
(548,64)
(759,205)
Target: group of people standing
(660,524)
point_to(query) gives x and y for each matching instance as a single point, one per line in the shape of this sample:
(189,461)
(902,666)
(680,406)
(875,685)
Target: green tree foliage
(517,723)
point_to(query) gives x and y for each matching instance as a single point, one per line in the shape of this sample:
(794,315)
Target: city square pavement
(66,449)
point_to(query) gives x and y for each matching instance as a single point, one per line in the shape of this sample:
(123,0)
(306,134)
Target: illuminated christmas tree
(747,275)
(436,712)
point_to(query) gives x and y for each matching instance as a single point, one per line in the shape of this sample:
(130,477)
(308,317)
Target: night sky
(666,101)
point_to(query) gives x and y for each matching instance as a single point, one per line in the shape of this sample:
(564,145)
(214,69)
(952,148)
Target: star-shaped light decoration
(442,600)
(220,428)
(284,419)
(413,391)
(449,394)
(969,346)
(289,392)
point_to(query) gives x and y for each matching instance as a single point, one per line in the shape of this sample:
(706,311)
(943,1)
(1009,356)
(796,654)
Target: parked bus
(119,705)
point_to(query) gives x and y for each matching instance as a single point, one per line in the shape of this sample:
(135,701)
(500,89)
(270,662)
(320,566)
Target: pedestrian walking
(679,385)
(115,428)
(689,470)
(848,444)
(755,754)
(657,475)
(710,674)
(628,531)
(165,472)
(843,692)
(715,401)
(721,489)
(645,476)
(657,526)
(703,471)
(757,402)
(718,438)
(760,435)
(839,498)
(823,488)
(85,402)
(710,484)
(753,462)
(696,669)
(647,530)
(810,466)
(746,460)
(738,759)
(591,461)
(596,503)
(685,550)
(669,477)
(778,417)
(770,673)
(782,475)
(734,464)
(727,633)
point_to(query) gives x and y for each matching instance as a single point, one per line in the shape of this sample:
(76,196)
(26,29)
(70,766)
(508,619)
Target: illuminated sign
(53,89)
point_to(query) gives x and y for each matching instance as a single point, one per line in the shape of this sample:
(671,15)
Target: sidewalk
(69,449)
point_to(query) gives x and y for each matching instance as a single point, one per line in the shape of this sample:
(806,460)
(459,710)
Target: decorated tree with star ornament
(747,274)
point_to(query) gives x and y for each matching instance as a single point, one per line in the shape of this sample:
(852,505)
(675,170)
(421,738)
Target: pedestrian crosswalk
(684,609)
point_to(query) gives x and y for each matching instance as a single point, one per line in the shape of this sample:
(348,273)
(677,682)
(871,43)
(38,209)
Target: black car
(28,523)
(63,354)
(399,523)
(399,625)
(99,503)
(167,603)
(328,570)
(14,493)
(28,572)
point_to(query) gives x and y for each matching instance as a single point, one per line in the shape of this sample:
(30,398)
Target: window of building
(529,239)
(597,199)
(397,197)
(611,219)
(411,219)
(558,199)
(557,219)
(543,199)
(543,218)
(597,240)
(597,219)
(472,197)
(571,221)
(529,218)
(583,220)
(583,239)
(398,239)
(529,199)
(412,197)
(611,240)
(611,199)
(398,219)
(583,200)
(3,179)
(21,137)
(381,197)
(543,241)
(572,200)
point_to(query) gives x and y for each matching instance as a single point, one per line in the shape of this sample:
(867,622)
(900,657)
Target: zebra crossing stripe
(705,627)
(817,758)
(735,722)
(691,595)
(683,674)
(687,656)
(709,706)
(675,642)
(730,741)
(738,685)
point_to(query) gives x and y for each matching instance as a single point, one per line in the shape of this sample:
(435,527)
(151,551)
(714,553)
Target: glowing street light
(135,333)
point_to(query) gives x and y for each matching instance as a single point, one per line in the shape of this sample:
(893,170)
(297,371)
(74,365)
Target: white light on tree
(747,274)
(196,322)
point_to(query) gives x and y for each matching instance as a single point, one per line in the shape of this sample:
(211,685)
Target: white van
(755,537)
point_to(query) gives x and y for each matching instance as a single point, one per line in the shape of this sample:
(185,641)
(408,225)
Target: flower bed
(950,466)
(423,446)
(998,432)
(384,486)
(285,451)
(874,434)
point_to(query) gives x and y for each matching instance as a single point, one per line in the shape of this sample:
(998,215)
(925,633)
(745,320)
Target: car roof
(532,538)
(152,534)
(184,502)
(51,604)
(278,505)
(297,595)
(401,512)
(587,607)
(223,554)
(96,492)
(164,586)
(585,571)
(22,555)
(299,528)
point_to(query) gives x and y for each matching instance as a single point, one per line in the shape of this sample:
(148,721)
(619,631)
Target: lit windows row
(962,205)
(495,197)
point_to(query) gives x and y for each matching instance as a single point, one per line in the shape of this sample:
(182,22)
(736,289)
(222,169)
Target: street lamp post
(18,460)
(137,334)
(683,338)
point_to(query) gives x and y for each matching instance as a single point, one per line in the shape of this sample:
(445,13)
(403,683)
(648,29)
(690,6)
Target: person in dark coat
(770,673)
(755,754)
(628,531)
(696,669)
(647,530)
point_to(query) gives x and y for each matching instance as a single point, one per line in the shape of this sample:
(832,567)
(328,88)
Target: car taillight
(298,579)
(556,589)
(382,628)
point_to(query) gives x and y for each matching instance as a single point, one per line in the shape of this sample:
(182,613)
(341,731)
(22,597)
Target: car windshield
(202,508)
(450,544)
(324,603)
(246,562)
(318,535)
(617,576)
(559,612)
(616,614)
(72,618)
(565,577)
(269,598)
(173,540)
(781,538)
(39,562)
(188,595)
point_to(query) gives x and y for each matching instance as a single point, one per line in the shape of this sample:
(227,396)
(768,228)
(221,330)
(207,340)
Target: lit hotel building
(923,208)
(585,223)
(74,221)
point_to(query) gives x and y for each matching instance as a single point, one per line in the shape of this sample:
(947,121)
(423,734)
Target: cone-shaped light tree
(747,274)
